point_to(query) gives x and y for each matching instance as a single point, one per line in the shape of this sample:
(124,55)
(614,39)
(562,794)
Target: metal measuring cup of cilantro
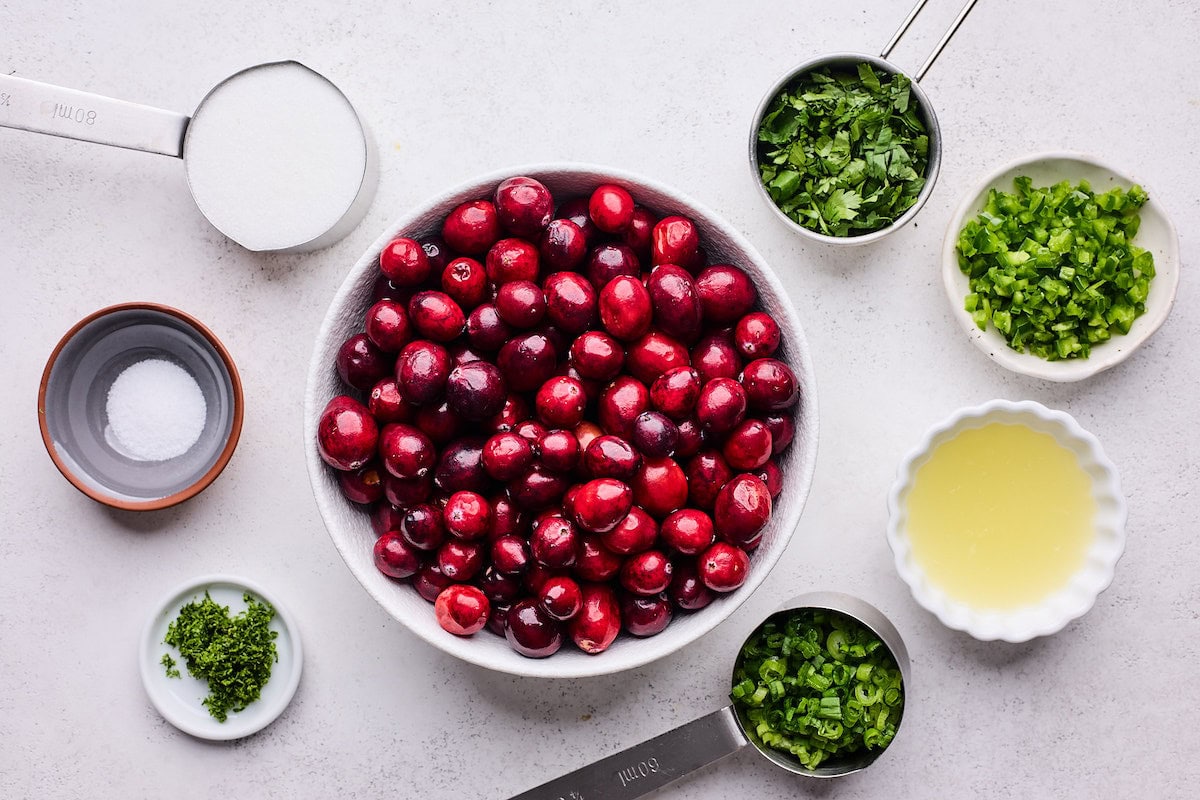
(846,148)
(818,689)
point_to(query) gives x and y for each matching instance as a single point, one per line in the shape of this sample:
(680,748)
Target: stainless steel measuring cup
(656,762)
(834,61)
(259,219)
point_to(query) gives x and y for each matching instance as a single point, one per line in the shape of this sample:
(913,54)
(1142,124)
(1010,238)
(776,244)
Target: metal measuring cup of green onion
(843,62)
(645,767)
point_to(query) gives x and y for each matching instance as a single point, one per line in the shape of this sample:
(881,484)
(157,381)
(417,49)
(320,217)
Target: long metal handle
(650,765)
(941,45)
(44,108)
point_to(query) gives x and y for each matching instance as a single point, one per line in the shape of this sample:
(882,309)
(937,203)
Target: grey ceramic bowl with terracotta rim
(73,394)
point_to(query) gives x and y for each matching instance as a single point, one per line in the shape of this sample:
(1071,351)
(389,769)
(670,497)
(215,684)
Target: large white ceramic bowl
(1156,234)
(1080,592)
(350,528)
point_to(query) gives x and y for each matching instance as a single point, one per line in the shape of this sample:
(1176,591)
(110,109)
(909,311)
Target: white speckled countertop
(1103,709)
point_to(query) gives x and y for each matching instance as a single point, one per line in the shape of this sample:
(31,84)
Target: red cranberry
(742,510)
(524,206)
(687,591)
(384,289)
(386,517)
(676,304)
(783,430)
(438,253)
(430,581)
(675,240)
(537,575)
(654,434)
(723,567)
(472,227)
(461,467)
(515,410)
(527,361)
(636,533)
(561,402)
(507,456)
(404,262)
(714,356)
(772,476)
(521,304)
(691,438)
(561,598)
(597,624)
(639,234)
(560,451)
(748,446)
(688,530)
(625,309)
(596,562)
(611,208)
(576,210)
(394,557)
(510,555)
(611,457)
(386,403)
(756,335)
(770,385)
(406,452)
(512,260)
(608,261)
(726,294)
(421,371)
(537,489)
(563,245)
(586,432)
(660,486)
(387,326)
(676,391)
(440,423)
(619,405)
(346,434)
(571,302)
(645,616)
(598,356)
(722,405)
(654,354)
(364,486)
(555,337)
(406,492)
(465,281)
(498,620)
(486,330)
(435,316)
(531,631)
(461,610)
(468,515)
(499,587)
(360,363)
(507,519)
(646,573)
(423,528)
(475,390)
(531,431)
(601,504)
(459,560)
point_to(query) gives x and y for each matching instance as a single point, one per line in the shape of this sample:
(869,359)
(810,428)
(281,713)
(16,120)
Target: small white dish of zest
(1007,520)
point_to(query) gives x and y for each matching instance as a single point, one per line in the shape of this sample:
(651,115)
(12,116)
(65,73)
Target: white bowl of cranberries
(561,420)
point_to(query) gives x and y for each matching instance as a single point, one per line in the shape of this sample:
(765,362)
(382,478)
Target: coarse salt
(156,410)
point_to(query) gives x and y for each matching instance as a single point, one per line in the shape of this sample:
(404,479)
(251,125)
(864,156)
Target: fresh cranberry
(514,410)
(660,487)
(714,356)
(429,581)
(646,573)
(742,509)
(611,457)
(510,554)
(486,331)
(468,515)
(687,591)
(722,405)
(563,245)
(347,434)
(387,326)
(507,519)
(404,262)
(475,390)
(555,542)
(500,587)
(521,304)
(611,208)
(726,294)
(407,453)
(460,467)
(537,489)
(770,385)
(654,354)
(576,210)
(536,576)
(688,530)
(386,517)
(524,206)
(586,432)
(598,622)
(748,446)
(619,405)
(756,335)
(363,486)
(639,234)
(723,567)
(691,438)
(384,289)
(461,610)
(423,527)
(636,533)
(472,227)
(783,430)
(440,423)
(608,261)
(676,391)
(527,361)
(655,434)
(421,371)
(360,363)
(436,316)
(498,620)
(396,558)
(645,616)
(406,492)
(596,562)
(561,598)
(598,356)
(675,240)
(571,302)
(601,504)
(386,404)
(560,402)
(676,304)
(512,260)
(531,431)
(625,309)
(560,451)
(437,252)
(772,476)
(465,281)
(507,456)
(531,631)
(460,561)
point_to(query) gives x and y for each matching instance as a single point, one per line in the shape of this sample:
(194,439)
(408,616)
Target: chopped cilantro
(844,153)
(169,665)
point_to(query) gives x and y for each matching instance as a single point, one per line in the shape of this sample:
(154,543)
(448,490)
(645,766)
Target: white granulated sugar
(156,410)
(275,156)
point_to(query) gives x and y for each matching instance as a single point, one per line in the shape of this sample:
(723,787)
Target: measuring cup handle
(650,765)
(44,108)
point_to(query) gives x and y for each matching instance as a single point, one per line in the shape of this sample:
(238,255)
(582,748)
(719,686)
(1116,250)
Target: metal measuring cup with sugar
(277,158)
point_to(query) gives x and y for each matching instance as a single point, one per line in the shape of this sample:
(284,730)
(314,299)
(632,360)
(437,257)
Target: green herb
(169,665)
(818,684)
(234,654)
(1055,268)
(844,153)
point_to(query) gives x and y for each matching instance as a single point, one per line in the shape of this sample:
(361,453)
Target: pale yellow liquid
(1000,516)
